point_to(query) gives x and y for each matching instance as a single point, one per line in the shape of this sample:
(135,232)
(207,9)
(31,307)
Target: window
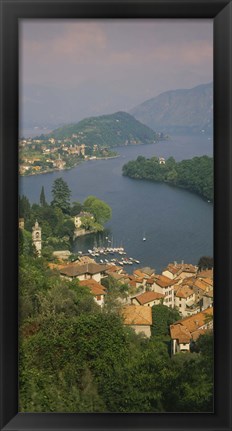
(98,297)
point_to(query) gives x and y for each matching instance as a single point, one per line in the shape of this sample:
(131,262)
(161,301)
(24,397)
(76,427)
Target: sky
(72,69)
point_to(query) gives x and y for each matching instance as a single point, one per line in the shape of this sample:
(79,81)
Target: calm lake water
(178,224)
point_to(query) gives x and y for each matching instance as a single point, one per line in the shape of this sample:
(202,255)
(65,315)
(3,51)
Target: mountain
(185,111)
(107,130)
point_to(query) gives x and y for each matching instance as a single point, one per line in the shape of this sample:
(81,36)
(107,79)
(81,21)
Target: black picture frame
(221,12)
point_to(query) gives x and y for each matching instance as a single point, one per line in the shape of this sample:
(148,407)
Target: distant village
(39,155)
(180,285)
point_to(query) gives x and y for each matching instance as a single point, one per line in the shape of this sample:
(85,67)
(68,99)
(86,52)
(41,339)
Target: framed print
(116,215)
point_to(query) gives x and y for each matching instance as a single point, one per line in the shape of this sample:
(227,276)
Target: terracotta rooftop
(208,273)
(190,327)
(78,269)
(208,280)
(180,267)
(180,333)
(113,268)
(146,297)
(195,335)
(95,287)
(148,271)
(164,281)
(194,322)
(137,315)
(140,274)
(184,292)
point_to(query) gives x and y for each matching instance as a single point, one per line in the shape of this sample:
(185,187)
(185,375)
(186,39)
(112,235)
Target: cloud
(123,60)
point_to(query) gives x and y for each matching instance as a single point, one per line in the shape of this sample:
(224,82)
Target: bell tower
(36,238)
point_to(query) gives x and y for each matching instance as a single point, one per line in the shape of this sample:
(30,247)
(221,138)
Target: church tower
(36,238)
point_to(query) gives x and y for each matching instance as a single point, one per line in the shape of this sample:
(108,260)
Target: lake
(178,224)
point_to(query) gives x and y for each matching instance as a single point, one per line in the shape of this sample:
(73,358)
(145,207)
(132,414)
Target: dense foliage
(162,318)
(195,174)
(77,357)
(57,219)
(61,195)
(108,130)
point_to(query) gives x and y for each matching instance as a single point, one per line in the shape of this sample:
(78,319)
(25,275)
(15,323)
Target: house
(185,331)
(150,272)
(139,318)
(207,273)
(185,300)
(136,282)
(207,300)
(78,217)
(140,277)
(164,285)
(59,163)
(199,286)
(98,291)
(21,223)
(148,299)
(62,254)
(181,270)
(84,271)
(121,278)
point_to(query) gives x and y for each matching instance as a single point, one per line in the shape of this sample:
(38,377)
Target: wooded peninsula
(195,174)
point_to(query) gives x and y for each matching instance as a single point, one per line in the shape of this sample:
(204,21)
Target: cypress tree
(42,198)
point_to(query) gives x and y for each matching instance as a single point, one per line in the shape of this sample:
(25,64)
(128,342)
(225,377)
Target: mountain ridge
(180,111)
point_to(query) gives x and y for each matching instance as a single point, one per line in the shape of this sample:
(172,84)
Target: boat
(144,238)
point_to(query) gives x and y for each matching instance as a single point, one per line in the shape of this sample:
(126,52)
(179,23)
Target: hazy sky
(115,64)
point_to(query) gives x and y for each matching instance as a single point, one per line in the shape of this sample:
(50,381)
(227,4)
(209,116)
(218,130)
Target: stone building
(37,238)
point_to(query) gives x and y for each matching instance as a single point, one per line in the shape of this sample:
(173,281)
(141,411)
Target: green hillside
(108,130)
(195,174)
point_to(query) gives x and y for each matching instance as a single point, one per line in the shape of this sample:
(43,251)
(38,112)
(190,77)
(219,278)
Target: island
(195,174)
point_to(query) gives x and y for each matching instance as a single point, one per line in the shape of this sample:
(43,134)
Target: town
(181,286)
(43,154)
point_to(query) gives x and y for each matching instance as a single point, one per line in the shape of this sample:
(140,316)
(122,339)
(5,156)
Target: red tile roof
(78,269)
(95,287)
(137,315)
(190,327)
(146,297)
(164,281)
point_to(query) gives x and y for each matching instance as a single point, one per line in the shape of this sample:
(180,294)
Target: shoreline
(50,171)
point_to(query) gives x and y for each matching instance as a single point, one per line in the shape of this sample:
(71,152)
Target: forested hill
(195,174)
(108,130)
(184,111)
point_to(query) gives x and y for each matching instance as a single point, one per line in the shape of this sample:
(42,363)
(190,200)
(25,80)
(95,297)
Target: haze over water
(178,224)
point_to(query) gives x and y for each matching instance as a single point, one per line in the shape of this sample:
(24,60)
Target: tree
(100,210)
(42,198)
(205,262)
(61,195)
(162,318)
(76,208)
(24,207)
